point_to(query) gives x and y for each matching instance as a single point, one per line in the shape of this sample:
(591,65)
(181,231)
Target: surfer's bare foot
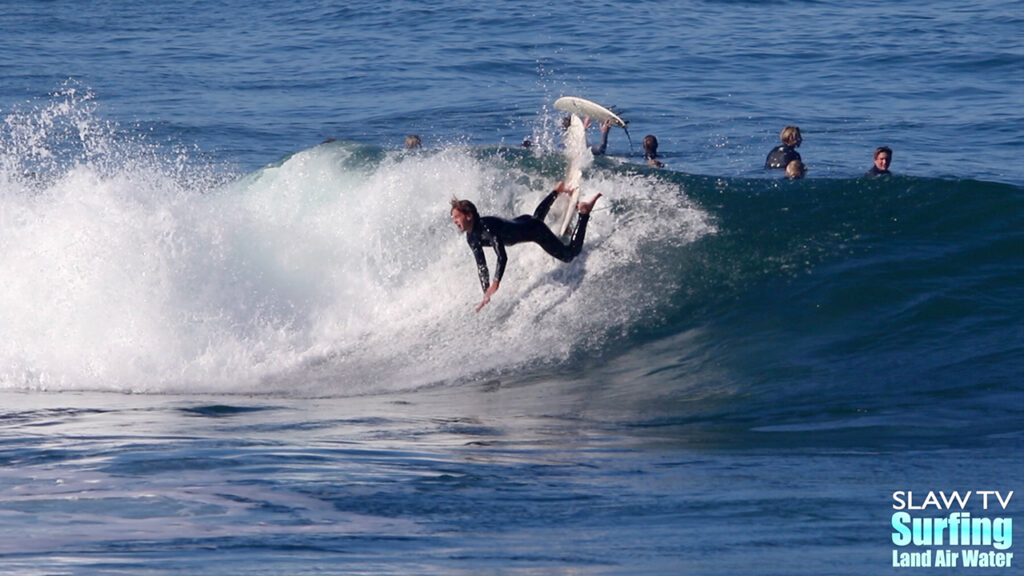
(586,207)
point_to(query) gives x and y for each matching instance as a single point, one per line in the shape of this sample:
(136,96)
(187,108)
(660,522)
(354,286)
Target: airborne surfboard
(584,107)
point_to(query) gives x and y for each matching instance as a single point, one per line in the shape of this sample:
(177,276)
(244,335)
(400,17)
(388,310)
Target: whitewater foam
(330,273)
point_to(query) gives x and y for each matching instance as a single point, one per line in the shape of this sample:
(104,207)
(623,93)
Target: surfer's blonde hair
(790,136)
(795,169)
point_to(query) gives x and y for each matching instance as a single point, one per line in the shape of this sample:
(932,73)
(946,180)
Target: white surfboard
(578,157)
(584,107)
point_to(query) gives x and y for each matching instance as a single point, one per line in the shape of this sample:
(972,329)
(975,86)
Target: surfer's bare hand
(487,295)
(483,303)
(561,188)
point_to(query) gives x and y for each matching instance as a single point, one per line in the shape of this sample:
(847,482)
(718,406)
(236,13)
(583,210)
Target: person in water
(795,170)
(883,158)
(499,233)
(651,151)
(782,155)
(413,142)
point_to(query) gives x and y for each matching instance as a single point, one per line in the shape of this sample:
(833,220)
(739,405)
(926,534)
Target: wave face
(843,304)
(337,272)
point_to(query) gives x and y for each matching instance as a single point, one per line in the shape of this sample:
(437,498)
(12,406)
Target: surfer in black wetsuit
(499,232)
(781,156)
(883,158)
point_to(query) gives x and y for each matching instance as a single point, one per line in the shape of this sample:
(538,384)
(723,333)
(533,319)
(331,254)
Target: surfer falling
(499,232)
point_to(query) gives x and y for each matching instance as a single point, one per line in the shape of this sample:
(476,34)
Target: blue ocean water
(238,324)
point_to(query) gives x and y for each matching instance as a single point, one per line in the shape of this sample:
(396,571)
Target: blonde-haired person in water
(782,155)
(795,170)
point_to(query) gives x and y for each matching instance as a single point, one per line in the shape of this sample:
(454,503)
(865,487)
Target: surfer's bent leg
(539,233)
(576,244)
(542,209)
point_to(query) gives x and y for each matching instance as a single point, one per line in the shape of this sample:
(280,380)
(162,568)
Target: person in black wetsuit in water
(781,156)
(499,232)
(883,159)
(651,151)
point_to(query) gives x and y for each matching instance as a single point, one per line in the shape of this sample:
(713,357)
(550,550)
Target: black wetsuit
(876,171)
(499,232)
(780,157)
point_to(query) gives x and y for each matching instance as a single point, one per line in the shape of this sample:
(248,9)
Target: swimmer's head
(650,146)
(795,169)
(790,136)
(883,157)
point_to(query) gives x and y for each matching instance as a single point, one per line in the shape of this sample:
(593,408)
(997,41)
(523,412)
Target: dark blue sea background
(238,327)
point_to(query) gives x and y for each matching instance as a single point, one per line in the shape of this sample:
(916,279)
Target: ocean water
(238,326)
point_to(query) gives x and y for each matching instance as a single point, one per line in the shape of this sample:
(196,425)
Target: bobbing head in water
(883,158)
(651,151)
(795,169)
(791,136)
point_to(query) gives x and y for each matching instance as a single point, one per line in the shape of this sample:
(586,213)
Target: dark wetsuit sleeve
(481,262)
(499,267)
(486,237)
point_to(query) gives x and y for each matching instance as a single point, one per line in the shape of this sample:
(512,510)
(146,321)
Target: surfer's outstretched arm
(481,265)
(499,271)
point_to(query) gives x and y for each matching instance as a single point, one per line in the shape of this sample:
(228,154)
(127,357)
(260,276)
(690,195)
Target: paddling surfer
(499,233)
